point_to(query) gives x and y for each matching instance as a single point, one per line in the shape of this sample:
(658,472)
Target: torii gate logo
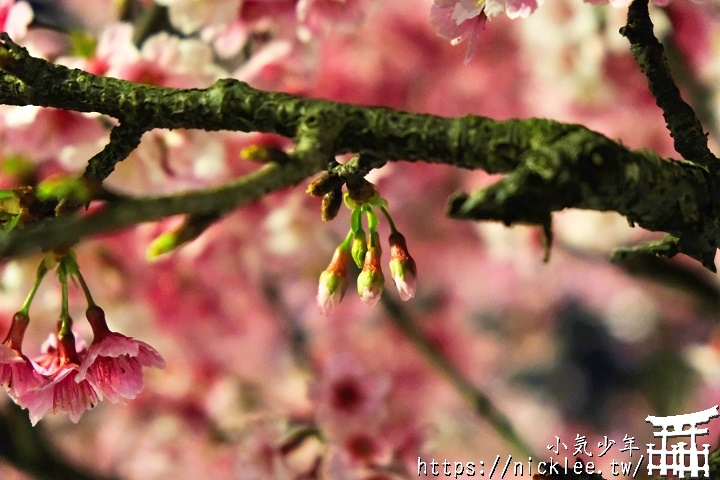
(680,460)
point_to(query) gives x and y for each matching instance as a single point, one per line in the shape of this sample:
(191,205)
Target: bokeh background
(259,384)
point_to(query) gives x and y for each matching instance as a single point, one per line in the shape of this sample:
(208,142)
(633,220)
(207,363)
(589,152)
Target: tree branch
(550,165)
(481,404)
(124,138)
(685,128)
(67,230)
(27,448)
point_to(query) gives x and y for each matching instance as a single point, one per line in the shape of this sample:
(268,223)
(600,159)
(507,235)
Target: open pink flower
(113,363)
(458,20)
(61,392)
(457,24)
(17,372)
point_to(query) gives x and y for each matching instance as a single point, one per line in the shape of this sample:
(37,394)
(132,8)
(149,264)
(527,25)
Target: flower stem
(65,320)
(355,219)
(348,240)
(389,219)
(371,219)
(85,288)
(41,271)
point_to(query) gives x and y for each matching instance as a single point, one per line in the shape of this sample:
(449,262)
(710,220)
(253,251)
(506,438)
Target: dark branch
(124,138)
(550,166)
(26,448)
(685,128)
(481,403)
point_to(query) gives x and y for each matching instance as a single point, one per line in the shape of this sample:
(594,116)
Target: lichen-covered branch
(550,166)
(68,229)
(685,128)
(124,138)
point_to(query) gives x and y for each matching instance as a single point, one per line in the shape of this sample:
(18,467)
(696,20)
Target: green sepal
(359,247)
(355,219)
(378,201)
(10,224)
(372,220)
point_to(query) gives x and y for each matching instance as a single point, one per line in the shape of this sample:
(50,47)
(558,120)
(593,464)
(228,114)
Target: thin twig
(481,404)
(685,128)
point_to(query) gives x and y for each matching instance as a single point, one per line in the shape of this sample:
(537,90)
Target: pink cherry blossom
(460,20)
(347,394)
(115,48)
(458,27)
(113,362)
(625,3)
(319,16)
(61,392)
(17,372)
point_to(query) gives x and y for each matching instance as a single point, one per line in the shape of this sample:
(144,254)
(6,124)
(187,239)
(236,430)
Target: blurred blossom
(189,16)
(15,18)
(460,20)
(346,395)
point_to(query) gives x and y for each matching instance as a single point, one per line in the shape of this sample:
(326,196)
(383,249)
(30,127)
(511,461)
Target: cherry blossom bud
(191,228)
(16,334)
(333,281)
(331,204)
(17,373)
(402,266)
(370,281)
(360,190)
(325,183)
(264,154)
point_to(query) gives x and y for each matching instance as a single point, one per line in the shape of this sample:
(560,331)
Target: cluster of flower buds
(70,377)
(53,196)
(365,250)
